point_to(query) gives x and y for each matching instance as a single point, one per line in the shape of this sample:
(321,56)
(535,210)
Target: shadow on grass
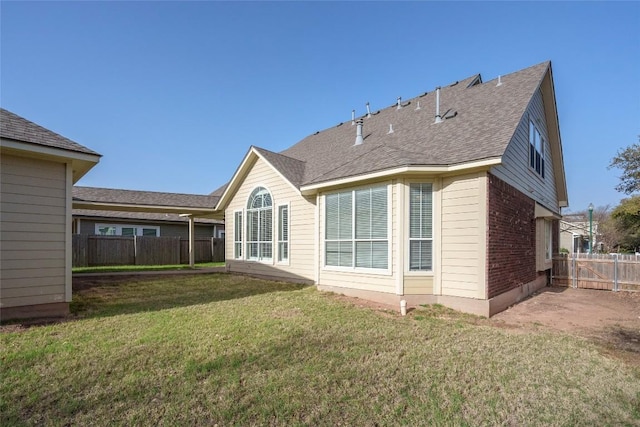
(125,294)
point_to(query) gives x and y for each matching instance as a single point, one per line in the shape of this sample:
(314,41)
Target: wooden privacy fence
(93,251)
(612,272)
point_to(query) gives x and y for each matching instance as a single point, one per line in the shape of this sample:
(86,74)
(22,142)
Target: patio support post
(192,252)
(590,228)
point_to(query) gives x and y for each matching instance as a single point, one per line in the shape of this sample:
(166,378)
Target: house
(97,221)
(575,231)
(451,197)
(37,171)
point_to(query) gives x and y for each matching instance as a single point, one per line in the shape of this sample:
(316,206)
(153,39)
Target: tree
(629,161)
(627,221)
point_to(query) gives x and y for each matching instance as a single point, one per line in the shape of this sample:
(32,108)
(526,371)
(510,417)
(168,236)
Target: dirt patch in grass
(610,319)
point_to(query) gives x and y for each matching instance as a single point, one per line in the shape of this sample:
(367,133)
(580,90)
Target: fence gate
(612,272)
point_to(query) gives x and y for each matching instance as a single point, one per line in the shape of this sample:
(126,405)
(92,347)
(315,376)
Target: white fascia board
(242,169)
(487,163)
(234,179)
(60,153)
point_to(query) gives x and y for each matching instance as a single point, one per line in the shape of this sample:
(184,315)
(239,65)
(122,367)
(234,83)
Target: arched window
(260,225)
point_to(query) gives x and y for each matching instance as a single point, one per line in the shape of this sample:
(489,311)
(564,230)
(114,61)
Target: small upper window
(536,150)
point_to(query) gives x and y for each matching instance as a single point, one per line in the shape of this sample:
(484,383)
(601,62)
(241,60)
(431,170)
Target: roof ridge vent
(390,129)
(499,80)
(399,103)
(438,117)
(359,138)
(368,111)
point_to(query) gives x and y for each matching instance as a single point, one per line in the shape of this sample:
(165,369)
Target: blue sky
(173,94)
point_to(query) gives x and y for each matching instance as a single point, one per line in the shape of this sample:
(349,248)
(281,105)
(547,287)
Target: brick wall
(511,238)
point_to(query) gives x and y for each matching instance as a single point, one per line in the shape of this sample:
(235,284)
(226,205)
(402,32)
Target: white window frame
(118,229)
(281,260)
(548,241)
(536,149)
(237,213)
(407,228)
(246,253)
(353,269)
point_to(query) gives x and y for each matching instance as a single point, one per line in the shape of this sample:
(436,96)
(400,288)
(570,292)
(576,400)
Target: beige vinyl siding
(515,170)
(32,231)
(301,264)
(360,280)
(418,285)
(463,236)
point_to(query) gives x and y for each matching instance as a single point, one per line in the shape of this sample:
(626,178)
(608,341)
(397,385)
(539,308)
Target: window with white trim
(237,234)
(260,225)
(420,227)
(536,150)
(356,228)
(127,230)
(548,240)
(283,233)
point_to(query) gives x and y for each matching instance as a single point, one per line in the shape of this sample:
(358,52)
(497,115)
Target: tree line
(619,226)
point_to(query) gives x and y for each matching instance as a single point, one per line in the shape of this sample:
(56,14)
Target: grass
(230,350)
(125,268)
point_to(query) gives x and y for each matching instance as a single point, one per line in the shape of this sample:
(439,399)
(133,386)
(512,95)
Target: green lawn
(230,350)
(125,268)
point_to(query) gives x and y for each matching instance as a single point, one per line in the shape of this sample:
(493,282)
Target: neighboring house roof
(142,201)
(478,122)
(139,216)
(21,135)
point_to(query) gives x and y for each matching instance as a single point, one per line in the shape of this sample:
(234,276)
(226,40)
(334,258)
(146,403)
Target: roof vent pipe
(359,138)
(438,118)
(499,81)
(390,128)
(353,117)
(418,107)
(399,102)
(368,111)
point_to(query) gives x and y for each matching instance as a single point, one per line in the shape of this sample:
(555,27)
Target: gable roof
(142,201)
(20,129)
(479,121)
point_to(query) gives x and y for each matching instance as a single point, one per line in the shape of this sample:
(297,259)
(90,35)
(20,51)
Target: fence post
(574,274)
(615,272)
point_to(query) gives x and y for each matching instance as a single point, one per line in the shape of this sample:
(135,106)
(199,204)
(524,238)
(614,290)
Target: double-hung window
(536,150)
(356,228)
(127,230)
(237,234)
(260,225)
(283,233)
(420,227)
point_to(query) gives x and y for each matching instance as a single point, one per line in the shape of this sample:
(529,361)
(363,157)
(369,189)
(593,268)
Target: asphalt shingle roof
(487,116)
(148,198)
(147,216)
(20,129)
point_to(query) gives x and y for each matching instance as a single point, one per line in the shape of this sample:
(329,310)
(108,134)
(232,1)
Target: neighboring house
(130,223)
(574,234)
(37,171)
(452,197)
